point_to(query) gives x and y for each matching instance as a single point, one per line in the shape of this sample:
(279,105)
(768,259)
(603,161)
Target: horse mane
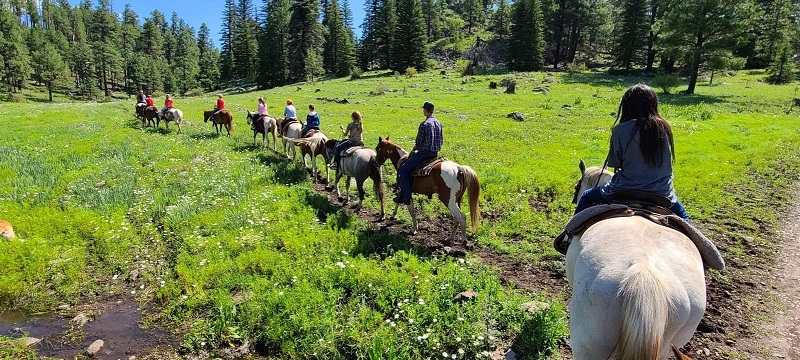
(595,172)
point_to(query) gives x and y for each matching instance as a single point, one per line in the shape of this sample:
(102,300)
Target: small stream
(117,326)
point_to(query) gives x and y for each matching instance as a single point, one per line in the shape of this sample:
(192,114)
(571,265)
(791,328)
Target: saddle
(648,206)
(350,151)
(152,108)
(424,168)
(286,125)
(311,133)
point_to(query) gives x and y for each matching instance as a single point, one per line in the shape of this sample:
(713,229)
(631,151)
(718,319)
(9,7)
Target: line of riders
(641,151)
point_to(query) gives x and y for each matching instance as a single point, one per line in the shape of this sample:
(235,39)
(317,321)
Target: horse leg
(274,141)
(360,188)
(459,219)
(347,190)
(313,167)
(413,217)
(394,213)
(179,127)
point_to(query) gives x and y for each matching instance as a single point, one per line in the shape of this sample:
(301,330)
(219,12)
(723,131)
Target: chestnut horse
(151,115)
(313,146)
(223,117)
(448,180)
(6,230)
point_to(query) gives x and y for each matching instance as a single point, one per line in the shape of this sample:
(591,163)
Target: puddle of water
(117,326)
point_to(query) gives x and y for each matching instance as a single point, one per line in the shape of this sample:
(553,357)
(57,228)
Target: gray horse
(361,165)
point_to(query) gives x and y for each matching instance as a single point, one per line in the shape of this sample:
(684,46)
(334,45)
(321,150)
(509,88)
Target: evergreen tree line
(91,48)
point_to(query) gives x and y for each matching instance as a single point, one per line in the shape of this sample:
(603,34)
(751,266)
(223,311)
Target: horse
(448,180)
(362,164)
(263,125)
(175,115)
(140,110)
(313,146)
(151,115)
(6,230)
(293,131)
(638,288)
(222,118)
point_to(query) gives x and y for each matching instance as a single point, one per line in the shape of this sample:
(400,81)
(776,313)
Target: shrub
(410,72)
(380,90)
(575,68)
(666,82)
(461,65)
(356,74)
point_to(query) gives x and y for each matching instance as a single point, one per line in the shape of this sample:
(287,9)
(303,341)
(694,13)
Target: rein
(605,163)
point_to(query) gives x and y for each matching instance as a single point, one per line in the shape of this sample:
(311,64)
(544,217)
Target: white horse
(313,146)
(293,131)
(638,288)
(172,115)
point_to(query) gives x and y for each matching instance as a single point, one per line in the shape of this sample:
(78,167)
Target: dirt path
(785,337)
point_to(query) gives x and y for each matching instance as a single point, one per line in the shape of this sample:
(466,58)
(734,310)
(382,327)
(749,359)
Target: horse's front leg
(347,190)
(413,217)
(394,213)
(360,188)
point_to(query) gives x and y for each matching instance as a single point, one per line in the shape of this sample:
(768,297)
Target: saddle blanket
(350,151)
(712,258)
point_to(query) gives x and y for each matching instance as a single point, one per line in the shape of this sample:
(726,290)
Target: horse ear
(380,139)
(387,138)
(582,166)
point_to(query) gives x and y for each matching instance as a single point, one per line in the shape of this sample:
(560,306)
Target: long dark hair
(640,103)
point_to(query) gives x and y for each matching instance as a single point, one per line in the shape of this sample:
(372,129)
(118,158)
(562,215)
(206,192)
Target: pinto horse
(263,124)
(222,118)
(175,115)
(448,180)
(313,146)
(140,110)
(638,288)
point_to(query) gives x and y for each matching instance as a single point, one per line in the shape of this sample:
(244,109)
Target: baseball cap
(428,106)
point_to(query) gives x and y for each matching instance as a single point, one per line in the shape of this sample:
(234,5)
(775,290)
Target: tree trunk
(105,79)
(695,68)
(711,81)
(651,39)
(50,90)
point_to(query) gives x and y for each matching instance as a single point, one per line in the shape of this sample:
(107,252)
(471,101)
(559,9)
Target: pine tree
(654,13)
(305,40)
(473,14)
(14,55)
(274,49)
(630,37)
(430,10)
(526,43)
(501,20)
(782,68)
(699,28)
(229,23)
(347,50)
(130,33)
(208,59)
(385,31)
(244,41)
(185,61)
(409,49)
(774,25)
(51,68)
(338,57)
(368,47)
(105,31)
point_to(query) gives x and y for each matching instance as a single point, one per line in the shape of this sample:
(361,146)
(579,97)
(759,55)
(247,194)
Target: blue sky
(206,11)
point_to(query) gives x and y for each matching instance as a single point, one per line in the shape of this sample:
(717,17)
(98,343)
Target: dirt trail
(785,340)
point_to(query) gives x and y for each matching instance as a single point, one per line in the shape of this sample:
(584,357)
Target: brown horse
(151,115)
(6,230)
(223,117)
(448,180)
(140,111)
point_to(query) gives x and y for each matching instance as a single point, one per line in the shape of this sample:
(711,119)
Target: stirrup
(561,243)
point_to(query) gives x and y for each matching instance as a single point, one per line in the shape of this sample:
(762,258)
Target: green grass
(233,242)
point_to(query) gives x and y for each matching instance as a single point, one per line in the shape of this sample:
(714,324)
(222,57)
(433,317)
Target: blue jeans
(306,129)
(337,154)
(598,195)
(404,172)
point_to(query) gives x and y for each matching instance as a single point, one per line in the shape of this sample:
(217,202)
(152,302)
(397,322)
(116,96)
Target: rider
(168,104)
(429,142)
(312,121)
(262,111)
(289,114)
(642,151)
(353,132)
(149,101)
(220,107)
(141,99)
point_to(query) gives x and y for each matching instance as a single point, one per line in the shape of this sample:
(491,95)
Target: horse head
(330,147)
(385,149)
(250,117)
(590,178)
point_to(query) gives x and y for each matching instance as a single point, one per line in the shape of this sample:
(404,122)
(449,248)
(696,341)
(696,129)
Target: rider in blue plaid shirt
(429,142)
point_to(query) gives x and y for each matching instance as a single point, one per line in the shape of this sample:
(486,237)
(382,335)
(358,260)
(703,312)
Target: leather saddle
(311,133)
(649,206)
(350,151)
(286,125)
(424,168)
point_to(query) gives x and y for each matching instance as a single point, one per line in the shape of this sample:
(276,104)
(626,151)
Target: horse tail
(645,313)
(473,186)
(377,178)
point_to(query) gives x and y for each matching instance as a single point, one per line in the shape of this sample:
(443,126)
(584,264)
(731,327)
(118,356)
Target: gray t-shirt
(633,172)
(355,135)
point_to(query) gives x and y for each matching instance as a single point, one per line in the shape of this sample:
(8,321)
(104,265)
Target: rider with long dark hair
(642,151)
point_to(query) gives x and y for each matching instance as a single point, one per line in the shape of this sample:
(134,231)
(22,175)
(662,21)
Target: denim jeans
(404,172)
(598,195)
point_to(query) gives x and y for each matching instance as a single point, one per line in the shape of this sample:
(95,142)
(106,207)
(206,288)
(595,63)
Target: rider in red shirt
(149,101)
(168,104)
(220,106)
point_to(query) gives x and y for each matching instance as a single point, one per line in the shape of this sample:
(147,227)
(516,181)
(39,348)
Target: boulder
(80,320)
(465,296)
(30,341)
(95,348)
(517,116)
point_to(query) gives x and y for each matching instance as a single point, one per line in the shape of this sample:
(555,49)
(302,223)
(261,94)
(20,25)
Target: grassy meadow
(230,242)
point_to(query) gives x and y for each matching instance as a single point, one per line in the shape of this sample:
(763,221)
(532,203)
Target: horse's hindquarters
(621,259)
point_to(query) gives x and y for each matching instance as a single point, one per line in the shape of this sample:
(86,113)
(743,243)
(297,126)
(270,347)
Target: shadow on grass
(286,172)
(688,100)
(541,334)
(204,136)
(385,242)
